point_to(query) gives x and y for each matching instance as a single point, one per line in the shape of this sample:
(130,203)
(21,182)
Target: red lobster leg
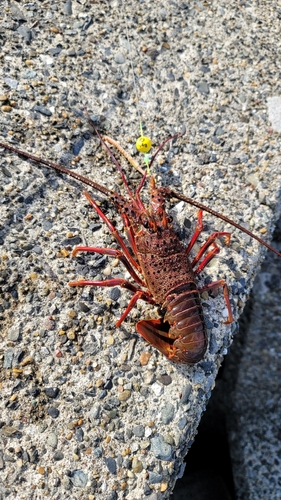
(114,282)
(138,294)
(210,242)
(113,231)
(112,253)
(130,233)
(210,255)
(218,284)
(197,232)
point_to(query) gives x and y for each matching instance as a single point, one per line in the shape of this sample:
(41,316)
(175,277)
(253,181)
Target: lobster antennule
(135,199)
(162,145)
(112,157)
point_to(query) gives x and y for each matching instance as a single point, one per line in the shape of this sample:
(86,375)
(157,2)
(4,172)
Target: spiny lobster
(157,260)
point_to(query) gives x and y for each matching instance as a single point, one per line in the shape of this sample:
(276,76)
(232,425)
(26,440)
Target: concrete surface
(84,413)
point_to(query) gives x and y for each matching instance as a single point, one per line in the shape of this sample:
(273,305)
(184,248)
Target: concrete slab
(84,412)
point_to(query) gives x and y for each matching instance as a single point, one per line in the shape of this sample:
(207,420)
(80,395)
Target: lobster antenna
(59,168)
(197,204)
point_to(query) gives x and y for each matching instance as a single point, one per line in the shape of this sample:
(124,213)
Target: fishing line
(143,143)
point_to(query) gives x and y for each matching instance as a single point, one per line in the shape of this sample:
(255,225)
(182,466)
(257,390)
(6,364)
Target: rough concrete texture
(88,410)
(274,112)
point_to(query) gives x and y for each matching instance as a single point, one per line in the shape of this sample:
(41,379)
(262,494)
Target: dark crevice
(208,473)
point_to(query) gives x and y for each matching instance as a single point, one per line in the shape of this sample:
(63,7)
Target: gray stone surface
(274,112)
(210,67)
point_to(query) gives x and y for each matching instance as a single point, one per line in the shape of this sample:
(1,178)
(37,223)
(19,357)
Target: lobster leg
(113,253)
(130,233)
(210,241)
(210,255)
(138,294)
(197,232)
(112,282)
(113,231)
(217,284)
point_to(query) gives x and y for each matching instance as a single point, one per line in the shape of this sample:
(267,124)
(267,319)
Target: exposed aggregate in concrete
(90,411)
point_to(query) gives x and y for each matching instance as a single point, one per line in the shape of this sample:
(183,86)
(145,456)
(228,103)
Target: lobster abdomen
(181,335)
(187,326)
